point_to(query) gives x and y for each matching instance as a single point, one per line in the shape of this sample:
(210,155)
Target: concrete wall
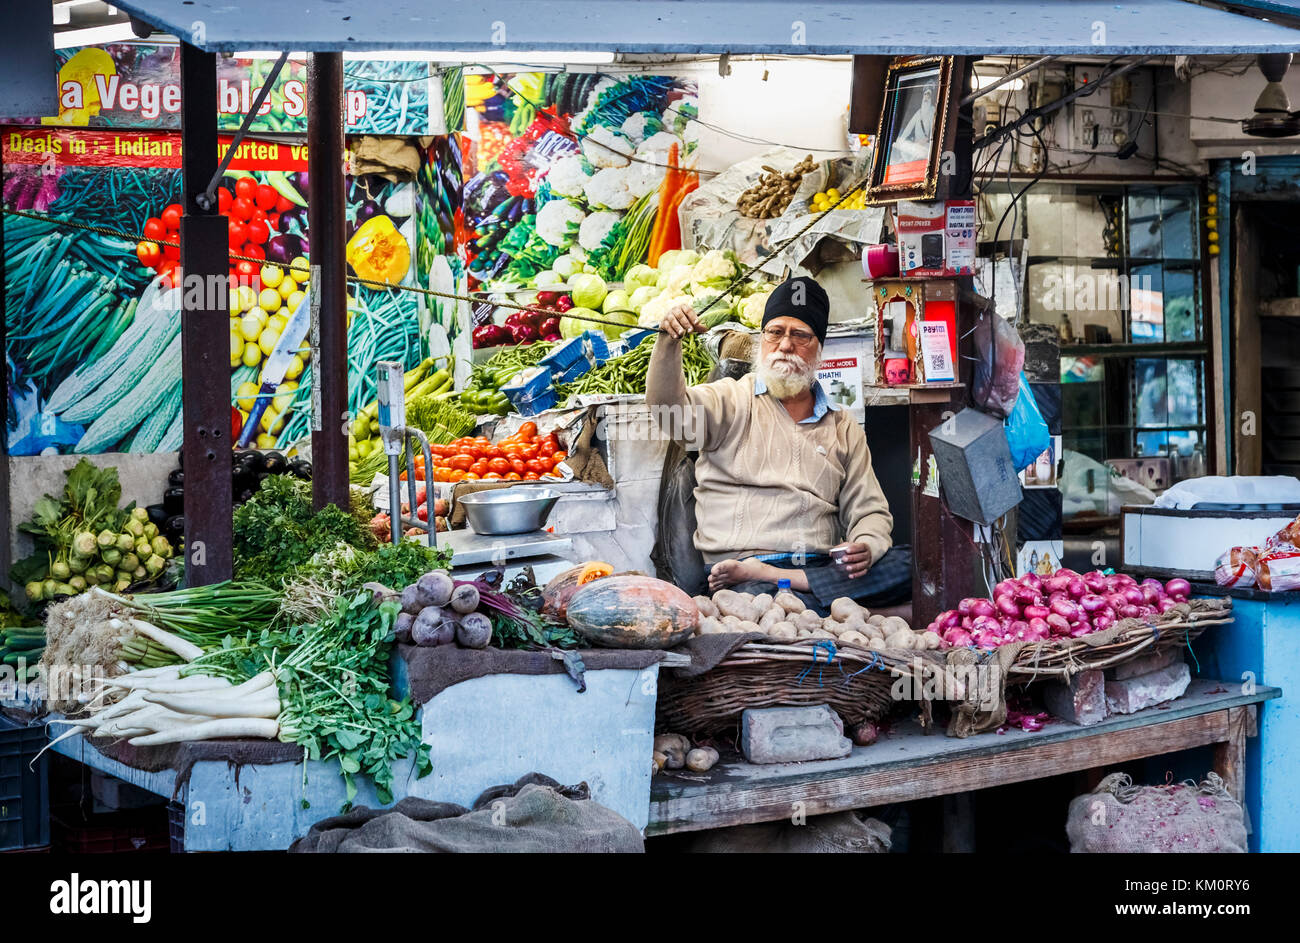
(143,478)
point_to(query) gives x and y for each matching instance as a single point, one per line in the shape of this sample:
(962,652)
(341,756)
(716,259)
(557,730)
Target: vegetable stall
(510,260)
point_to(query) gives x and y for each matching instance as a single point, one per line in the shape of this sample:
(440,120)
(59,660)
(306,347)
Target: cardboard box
(936,239)
(848,365)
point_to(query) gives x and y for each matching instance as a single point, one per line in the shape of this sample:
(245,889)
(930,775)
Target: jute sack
(1119,817)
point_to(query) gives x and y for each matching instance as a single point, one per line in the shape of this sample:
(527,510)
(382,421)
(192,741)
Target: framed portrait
(916,126)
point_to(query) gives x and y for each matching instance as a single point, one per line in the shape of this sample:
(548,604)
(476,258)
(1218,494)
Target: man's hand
(680,321)
(853,559)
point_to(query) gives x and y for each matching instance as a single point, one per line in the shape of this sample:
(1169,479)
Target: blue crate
(24,788)
(538,383)
(532,405)
(588,350)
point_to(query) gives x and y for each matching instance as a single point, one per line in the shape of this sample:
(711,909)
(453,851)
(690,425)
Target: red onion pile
(1064,605)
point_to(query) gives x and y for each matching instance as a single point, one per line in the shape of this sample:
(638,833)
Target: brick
(1081,701)
(1155,687)
(1145,664)
(792,734)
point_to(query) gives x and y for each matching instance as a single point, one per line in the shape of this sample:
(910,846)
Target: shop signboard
(138,85)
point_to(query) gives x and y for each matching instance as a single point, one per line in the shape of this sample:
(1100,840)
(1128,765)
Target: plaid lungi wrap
(887,583)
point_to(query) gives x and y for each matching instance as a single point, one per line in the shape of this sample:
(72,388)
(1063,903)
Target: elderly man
(784,485)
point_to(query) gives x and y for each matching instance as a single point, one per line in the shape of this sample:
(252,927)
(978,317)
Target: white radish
(218,706)
(211,730)
(193,683)
(187,650)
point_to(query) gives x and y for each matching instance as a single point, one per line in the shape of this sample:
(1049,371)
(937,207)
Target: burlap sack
(838,833)
(1119,817)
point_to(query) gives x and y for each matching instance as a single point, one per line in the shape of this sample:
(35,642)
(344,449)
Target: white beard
(787,375)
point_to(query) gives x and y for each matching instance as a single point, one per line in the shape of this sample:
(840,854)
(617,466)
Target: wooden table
(907,764)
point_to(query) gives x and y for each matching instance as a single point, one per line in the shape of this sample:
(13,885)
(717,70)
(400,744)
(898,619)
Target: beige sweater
(764,483)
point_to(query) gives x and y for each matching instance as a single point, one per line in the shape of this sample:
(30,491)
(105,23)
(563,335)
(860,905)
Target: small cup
(838,554)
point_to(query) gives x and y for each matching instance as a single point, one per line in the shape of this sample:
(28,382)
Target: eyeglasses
(774,335)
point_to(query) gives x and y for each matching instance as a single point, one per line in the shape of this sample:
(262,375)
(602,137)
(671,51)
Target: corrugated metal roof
(825,27)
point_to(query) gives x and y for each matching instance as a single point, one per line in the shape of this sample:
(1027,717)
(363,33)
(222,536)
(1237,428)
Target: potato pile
(772,194)
(785,618)
(673,751)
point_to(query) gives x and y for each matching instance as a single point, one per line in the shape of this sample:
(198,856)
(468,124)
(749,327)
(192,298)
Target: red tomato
(171,252)
(238,233)
(470,476)
(223,200)
(236,424)
(439,451)
(154,229)
(498,465)
(536,466)
(493,451)
(518,466)
(246,187)
(514,476)
(527,430)
(149,254)
(480,467)
(283,204)
(258,232)
(531,476)
(247,271)
(491,476)
(476,450)
(254,250)
(171,217)
(273,220)
(257,214)
(242,208)
(530,452)
(167,270)
(559,457)
(462,462)
(547,448)
(266,197)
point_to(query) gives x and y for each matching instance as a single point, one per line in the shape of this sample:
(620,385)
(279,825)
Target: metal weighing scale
(472,554)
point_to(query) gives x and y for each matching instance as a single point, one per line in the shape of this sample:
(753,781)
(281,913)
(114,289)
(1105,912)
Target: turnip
(402,627)
(436,587)
(474,630)
(464,598)
(381,593)
(432,626)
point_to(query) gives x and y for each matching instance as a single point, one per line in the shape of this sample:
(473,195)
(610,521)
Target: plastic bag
(1237,567)
(1000,356)
(1026,429)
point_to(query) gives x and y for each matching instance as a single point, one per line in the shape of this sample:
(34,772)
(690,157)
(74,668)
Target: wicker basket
(1060,659)
(856,683)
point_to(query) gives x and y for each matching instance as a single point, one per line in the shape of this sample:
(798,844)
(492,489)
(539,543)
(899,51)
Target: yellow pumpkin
(378,252)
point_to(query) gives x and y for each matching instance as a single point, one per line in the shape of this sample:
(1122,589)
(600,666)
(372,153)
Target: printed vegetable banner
(93,352)
(137,85)
(566,169)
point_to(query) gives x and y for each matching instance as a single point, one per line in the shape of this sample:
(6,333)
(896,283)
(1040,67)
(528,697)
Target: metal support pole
(325,207)
(205,331)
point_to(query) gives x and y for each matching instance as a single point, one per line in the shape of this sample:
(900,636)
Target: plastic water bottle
(783,586)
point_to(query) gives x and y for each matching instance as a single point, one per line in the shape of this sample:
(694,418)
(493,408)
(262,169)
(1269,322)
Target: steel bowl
(516,510)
